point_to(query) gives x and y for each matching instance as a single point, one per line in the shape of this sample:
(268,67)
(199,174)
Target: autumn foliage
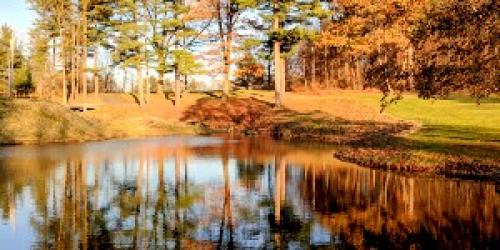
(250,72)
(432,48)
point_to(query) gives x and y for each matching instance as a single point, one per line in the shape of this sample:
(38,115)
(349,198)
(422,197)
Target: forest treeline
(430,47)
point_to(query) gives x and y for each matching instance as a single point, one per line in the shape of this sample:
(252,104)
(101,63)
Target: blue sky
(16,14)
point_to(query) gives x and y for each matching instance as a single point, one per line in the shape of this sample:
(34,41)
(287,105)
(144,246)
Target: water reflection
(206,192)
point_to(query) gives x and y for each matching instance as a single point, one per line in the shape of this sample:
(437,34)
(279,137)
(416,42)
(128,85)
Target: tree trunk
(339,74)
(177,82)
(83,68)
(78,59)
(54,55)
(359,74)
(124,78)
(148,84)
(96,67)
(73,65)
(277,74)
(410,67)
(352,73)
(226,45)
(160,83)
(304,69)
(330,68)
(227,64)
(326,71)
(63,61)
(283,78)
(313,66)
(269,64)
(73,77)
(140,87)
(39,88)
(177,87)
(346,74)
(277,63)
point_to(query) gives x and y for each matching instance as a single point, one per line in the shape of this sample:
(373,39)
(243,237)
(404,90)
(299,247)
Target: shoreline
(384,144)
(464,170)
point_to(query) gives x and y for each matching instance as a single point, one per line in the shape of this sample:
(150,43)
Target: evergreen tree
(39,61)
(99,27)
(165,20)
(55,17)
(129,43)
(227,14)
(6,34)
(290,22)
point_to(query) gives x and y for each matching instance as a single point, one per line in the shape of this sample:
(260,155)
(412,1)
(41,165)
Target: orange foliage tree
(250,72)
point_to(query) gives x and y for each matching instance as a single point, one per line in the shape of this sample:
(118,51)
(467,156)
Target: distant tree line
(13,64)
(430,47)
(141,36)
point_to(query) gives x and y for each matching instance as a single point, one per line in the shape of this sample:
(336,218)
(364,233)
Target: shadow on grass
(136,99)
(468,99)
(457,132)
(213,94)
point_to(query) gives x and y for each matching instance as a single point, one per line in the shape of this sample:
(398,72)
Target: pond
(210,192)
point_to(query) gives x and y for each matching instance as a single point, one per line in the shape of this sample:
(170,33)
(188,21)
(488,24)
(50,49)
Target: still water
(209,192)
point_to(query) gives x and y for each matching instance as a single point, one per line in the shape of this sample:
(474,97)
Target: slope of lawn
(455,119)
(455,136)
(32,121)
(450,136)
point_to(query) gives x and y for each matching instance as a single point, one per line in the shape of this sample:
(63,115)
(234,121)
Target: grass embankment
(454,137)
(120,114)
(31,121)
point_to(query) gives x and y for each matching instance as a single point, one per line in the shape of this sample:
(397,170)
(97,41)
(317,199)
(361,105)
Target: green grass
(452,119)
(457,118)
(455,126)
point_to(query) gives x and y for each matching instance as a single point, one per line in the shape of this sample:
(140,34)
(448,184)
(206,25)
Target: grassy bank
(30,121)
(454,137)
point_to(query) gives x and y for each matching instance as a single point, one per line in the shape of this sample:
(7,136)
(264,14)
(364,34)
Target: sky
(17,14)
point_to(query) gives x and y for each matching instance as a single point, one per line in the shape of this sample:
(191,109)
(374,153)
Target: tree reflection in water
(199,192)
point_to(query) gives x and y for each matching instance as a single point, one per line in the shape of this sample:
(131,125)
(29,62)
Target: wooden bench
(82,107)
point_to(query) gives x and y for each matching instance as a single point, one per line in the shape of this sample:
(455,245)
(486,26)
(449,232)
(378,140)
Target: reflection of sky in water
(325,203)
(16,232)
